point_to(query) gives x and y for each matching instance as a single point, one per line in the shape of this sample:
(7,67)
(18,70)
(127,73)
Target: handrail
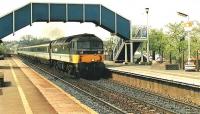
(117,48)
(140,33)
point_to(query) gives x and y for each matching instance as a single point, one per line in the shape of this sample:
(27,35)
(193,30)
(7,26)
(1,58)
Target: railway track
(103,106)
(168,104)
(117,98)
(121,100)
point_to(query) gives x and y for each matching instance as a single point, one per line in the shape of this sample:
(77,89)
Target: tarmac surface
(190,78)
(26,92)
(20,96)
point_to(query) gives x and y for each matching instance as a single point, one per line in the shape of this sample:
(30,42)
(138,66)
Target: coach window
(55,50)
(35,49)
(47,49)
(70,47)
(63,49)
(59,49)
(39,49)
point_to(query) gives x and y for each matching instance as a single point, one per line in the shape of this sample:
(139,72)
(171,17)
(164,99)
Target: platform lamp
(188,25)
(147,12)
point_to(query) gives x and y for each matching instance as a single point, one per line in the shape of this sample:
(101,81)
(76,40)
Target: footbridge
(54,12)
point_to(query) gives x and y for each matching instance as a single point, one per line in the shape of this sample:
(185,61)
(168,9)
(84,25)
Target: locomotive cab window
(90,45)
(84,45)
(96,45)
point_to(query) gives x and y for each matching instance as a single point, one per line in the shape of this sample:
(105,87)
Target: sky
(161,12)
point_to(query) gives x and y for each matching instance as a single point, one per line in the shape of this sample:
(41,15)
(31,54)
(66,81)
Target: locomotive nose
(90,58)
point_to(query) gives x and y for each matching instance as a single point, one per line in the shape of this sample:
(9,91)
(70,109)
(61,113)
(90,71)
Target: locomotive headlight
(99,51)
(92,60)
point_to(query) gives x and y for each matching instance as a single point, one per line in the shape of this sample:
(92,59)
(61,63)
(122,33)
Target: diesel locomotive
(78,55)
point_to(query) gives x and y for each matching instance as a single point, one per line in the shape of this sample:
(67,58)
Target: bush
(148,63)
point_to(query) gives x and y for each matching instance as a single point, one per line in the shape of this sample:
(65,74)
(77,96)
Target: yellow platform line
(21,93)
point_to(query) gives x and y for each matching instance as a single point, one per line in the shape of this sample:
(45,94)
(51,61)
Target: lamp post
(188,25)
(147,12)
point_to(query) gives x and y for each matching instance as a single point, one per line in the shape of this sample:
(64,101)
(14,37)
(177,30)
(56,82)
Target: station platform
(26,92)
(173,76)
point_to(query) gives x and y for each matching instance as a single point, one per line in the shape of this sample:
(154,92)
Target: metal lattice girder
(51,12)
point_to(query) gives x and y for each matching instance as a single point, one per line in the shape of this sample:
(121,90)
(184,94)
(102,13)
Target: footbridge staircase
(124,49)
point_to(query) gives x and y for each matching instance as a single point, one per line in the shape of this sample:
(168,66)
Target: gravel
(176,107)
(82,97)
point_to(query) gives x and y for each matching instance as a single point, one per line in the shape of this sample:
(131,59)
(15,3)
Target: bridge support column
(141,48)
(131,51)
(126,57)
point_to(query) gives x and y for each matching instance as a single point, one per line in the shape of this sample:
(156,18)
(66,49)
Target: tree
(195,43)
(195,39)
(109,46)
(2,48)
(176,42)
(158,42)
(28,40)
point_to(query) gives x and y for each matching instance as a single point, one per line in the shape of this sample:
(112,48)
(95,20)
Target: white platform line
(21,93)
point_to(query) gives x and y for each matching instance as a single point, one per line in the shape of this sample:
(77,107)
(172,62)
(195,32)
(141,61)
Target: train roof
(41,45)
(66,40)
(74,37)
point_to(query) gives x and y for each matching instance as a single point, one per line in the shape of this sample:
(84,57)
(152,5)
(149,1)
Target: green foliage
(11,46)
(171,42)
(157,40)
(110,44)
(134,30)
(2,49)
(28,40)
(195,39)
(176,43)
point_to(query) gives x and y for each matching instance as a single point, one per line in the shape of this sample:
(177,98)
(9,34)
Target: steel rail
(141,101)
(155,94)
(77,88)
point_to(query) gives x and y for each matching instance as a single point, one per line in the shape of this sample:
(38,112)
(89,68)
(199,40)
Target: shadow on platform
(7,84)
(1,92)
(8,67)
